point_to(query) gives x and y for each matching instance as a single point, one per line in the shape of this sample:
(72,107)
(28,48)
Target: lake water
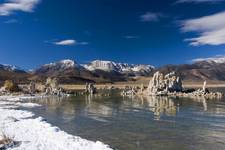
(153,123)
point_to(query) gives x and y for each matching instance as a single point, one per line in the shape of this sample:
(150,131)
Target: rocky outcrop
(90,88)
(130,91)
(171,85)
(161,85)
(32,87)
(52,87)
(204,92)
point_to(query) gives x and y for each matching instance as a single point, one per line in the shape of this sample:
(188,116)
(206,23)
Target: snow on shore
(35,133)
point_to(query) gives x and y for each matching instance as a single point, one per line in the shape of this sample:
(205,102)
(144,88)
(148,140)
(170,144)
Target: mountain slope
(8,72)
(68,71)
(198,71)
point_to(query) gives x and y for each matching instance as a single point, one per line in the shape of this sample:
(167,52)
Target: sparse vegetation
(5,142)
(9,85)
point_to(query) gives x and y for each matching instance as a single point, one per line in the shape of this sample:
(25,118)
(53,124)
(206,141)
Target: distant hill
(8,72)
(198,71)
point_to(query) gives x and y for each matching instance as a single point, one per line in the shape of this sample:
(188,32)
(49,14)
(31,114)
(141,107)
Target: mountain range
(69,71)
(99,71)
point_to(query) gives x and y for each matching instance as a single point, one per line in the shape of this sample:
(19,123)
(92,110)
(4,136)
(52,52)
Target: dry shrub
(5,140)
(10,86)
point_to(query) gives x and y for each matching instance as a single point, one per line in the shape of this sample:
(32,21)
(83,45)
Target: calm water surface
(155,123)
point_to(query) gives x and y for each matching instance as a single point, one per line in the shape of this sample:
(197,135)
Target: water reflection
(140,122)
(157,105)
(98,107)
(97,111)
(204,104)
(162,106)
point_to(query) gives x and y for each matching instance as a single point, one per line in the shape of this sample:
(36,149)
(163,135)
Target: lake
(152,123)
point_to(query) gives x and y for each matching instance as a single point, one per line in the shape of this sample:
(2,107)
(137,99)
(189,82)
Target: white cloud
(69,42)
(151,17)
(66,42)
(199,1)
(131,37)
(11,6)
(211,29)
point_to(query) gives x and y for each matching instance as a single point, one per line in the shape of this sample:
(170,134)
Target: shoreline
(123,85)
(35,132)
(200,85)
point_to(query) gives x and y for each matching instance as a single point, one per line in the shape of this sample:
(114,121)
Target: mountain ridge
(95,71)
(100,71)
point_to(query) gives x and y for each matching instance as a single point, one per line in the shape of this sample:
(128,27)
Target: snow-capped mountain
(63,64)
(97,71)
(10,68)
(10,72)
(107,66)
(67,71)
(101,65)
(123,67)
(58,67)
(118,67)
(217,59)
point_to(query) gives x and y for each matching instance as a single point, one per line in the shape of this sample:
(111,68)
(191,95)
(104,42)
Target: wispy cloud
(131,37)
(151,17)
(10,21)
(198,1)
(69,42)
(11,6)
(83,43)
(211,29)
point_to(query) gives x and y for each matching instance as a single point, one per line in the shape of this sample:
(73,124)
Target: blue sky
(156,32)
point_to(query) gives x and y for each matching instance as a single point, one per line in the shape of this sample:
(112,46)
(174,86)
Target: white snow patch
(36,133)
(67,63)
(11,67)
(29,105)
(217,59)
(119,67)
